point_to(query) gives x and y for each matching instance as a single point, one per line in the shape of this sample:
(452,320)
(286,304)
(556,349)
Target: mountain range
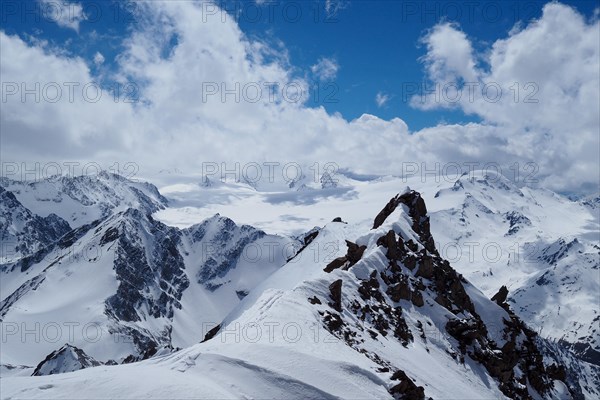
(470,287)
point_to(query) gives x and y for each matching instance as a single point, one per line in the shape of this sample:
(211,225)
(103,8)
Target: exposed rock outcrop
(353,255)
(416,276)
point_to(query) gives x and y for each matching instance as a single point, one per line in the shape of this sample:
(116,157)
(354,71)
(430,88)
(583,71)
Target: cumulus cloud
(52,105)
(539,85)
(219,99)
(449,53)
(63,13)
(325,69)
(229,98)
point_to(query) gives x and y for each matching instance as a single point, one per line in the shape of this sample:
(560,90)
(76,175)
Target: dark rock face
(425,268)
(450,289)
(520,352)
(400,291)
(377,316)
(150,350)
(310,236)
(335,290)
(417,298)
(334,323)
(418,213)
(501,296)
(393,247)
(406,388)
(405,287)
(212,333)
(66,359)
(110,235)
(137,273)
(465,331)
(584,351)
(335,264)
(517,352)
(353,255)
(151,279)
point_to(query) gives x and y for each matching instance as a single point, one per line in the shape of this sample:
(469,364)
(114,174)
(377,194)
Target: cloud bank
(191,92)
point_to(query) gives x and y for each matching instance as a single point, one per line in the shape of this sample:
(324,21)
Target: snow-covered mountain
(66,359)
(23,232)
(35,214)
(377,303)
(543,246)
(378,313)
(123,286)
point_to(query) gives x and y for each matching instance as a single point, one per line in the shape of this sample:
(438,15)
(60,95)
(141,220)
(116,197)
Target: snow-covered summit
(66,359)
(82,199)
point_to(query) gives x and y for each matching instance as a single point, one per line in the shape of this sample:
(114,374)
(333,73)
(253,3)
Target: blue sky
(376,44)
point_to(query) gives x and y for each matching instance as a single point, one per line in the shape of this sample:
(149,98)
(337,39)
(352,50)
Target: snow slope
(367,310)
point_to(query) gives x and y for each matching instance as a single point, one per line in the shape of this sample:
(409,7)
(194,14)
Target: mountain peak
(419,284)
(66,359)
(416,210)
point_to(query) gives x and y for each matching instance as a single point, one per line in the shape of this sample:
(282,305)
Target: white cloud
(382,99)
(98,58)
(332,7)
(449,53)
(175,126)
(542,90)
(63,13)
(61,115)
(325,69)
